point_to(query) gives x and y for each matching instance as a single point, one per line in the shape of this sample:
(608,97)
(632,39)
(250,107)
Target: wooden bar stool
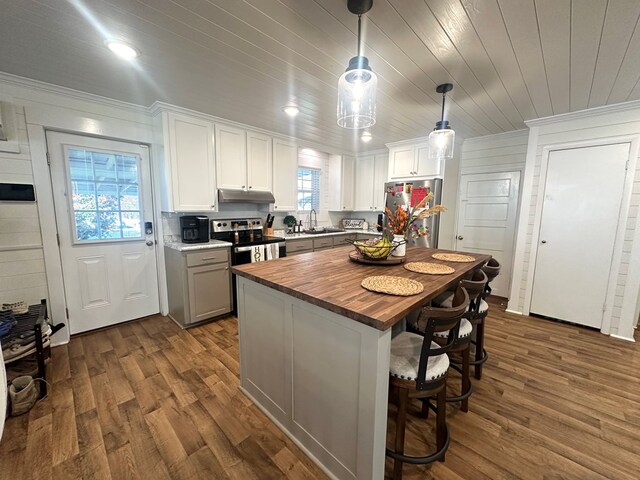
(491,270)
(418,369)
(474,287)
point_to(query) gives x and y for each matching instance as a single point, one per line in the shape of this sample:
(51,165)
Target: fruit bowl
(375,248)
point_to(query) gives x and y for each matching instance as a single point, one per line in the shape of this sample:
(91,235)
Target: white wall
(582,129)
(503,152)
(22,270)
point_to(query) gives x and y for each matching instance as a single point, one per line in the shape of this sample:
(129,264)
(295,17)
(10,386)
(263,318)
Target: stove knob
(257,223)
(219,224)
(224,224)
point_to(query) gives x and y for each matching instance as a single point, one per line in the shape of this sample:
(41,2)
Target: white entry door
(580,210)
(102,197)
(488,209)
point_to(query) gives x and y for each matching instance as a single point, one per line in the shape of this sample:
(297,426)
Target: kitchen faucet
(313,219)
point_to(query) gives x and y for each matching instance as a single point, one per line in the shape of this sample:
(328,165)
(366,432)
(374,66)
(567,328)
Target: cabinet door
(192,165)
(209,291)
(380,171)
(259,165)
(285,175)
(401,162)
(426,167)
(231,157)
(364,178)
(347,183)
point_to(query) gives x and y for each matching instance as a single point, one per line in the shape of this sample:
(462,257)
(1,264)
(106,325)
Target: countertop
(295,236)
(188,247)
(330,280)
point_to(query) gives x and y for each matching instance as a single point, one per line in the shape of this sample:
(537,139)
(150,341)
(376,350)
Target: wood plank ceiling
(510,60)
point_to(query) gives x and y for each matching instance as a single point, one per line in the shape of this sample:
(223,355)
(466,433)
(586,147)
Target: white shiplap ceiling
(509,60)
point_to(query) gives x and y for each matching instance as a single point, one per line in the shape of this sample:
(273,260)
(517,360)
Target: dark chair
(491,270)
(474,287)
(418,369)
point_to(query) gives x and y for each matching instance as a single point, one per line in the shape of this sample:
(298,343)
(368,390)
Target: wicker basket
(375,252)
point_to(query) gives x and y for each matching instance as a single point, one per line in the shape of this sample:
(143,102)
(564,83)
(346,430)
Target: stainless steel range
(249,243)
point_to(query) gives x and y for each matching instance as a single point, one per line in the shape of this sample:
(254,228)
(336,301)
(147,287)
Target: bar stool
(491,270)
(474,287)
(418,369)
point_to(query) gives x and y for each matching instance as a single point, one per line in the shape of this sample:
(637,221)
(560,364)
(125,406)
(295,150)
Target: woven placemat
(429,268)
(454,257)
(392,285)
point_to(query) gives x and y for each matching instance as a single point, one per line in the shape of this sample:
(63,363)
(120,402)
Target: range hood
(228,195)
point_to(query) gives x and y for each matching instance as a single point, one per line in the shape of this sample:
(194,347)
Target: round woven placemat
(454,257)
(392,285)
(429,268)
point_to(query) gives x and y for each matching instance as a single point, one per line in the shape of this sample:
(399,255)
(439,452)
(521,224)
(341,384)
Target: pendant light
(442,137)
(357,85)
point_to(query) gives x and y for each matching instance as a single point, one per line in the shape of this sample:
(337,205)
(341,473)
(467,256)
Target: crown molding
(587,113)
(51,88)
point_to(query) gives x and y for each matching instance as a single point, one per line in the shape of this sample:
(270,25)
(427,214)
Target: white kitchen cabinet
(371,175)
(412,161)
(231,157)
(186,155)
(259,162)
(285,175)
(342,182)
(243,159)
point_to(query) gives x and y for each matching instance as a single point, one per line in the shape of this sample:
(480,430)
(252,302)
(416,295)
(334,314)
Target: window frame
(317,171)
(69,194)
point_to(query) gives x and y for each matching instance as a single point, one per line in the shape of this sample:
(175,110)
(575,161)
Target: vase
(400,250)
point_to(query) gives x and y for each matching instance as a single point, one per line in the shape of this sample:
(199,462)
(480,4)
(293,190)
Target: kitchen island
(314,350)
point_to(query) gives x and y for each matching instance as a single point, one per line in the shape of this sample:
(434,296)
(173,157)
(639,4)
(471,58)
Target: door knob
(543,241)
(149,243)
(460,237)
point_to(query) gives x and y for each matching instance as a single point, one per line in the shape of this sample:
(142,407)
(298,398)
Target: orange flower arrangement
(401,222)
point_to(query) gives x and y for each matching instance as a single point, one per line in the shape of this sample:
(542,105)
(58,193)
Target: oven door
(243,255)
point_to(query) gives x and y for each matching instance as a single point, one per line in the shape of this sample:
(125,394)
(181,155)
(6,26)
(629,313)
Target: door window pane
(105,195)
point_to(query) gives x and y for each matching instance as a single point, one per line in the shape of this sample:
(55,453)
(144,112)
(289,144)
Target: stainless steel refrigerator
(408,194)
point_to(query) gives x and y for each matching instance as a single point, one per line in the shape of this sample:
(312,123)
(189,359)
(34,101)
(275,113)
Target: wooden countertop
(330,280)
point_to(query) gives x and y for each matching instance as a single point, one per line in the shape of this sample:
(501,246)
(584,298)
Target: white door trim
(128,126)
(634,141)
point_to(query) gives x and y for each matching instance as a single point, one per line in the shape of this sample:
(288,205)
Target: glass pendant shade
(441,144)
(357,95)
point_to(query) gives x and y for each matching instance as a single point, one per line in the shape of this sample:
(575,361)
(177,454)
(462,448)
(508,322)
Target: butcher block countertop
(330,280)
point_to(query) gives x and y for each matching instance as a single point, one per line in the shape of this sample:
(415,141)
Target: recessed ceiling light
(291,110)
(366,136)
(121,49)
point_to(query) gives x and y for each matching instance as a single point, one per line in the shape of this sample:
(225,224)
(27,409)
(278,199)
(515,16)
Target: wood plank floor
(148,400)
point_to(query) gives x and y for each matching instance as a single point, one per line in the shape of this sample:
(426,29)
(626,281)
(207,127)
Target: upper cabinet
(412,161)
(243,159)
(231,157)
(185,147)
(369,182)
(342,182)
(285,175)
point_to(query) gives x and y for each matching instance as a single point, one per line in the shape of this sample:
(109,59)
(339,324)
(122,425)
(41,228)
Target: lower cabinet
(198,285)
(306,245)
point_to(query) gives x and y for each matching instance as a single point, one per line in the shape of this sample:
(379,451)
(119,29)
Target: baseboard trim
(620,337)
(513,311)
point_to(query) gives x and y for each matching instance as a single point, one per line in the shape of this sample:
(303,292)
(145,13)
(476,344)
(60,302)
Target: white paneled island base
(321,377)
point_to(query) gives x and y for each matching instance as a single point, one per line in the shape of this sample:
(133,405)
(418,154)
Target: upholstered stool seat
(405,358)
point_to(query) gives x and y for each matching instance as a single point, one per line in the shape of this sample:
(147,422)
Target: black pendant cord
(359,27)
(442,115)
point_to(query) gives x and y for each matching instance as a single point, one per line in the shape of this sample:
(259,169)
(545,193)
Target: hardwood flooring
(148,400)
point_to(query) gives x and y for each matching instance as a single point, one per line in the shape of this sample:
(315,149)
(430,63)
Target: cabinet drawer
(299,245)
(322,243)
(342,240)
(219,255)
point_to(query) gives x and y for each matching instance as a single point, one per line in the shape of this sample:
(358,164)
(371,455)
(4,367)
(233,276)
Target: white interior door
(488,209)
(102,197)
(580,210)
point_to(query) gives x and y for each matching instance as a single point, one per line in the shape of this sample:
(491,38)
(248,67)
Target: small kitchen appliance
(194,228)
(408,195)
